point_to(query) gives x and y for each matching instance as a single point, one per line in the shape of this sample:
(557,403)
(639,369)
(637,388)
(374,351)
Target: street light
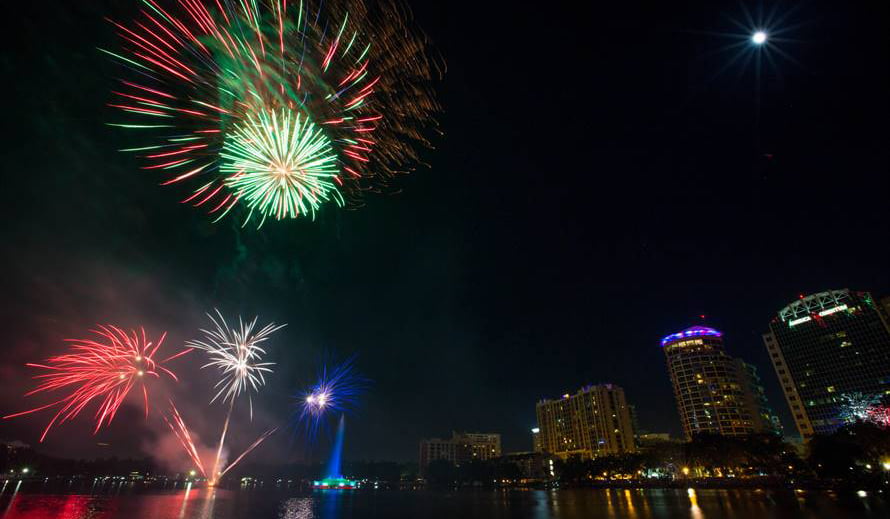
(759,38)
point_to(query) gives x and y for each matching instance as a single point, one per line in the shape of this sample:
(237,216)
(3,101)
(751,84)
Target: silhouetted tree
(574,471)
(440,473)
(848,452)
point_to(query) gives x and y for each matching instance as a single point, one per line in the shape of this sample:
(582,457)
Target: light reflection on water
(120,501)
(297,508)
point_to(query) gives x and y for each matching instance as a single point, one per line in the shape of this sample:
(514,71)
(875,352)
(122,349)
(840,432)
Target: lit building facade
(476,446)
(715,392)
(436,449)
(593,422)
(460,448)
(824,346)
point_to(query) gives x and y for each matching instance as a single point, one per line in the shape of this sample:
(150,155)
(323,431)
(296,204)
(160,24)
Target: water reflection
(297,508)
(15,493)
(694,510)
(631,512)
(185,500)
(107,500)
(207,508)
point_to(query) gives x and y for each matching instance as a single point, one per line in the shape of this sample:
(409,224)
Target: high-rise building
(593,422)
(536,440)
(715,393)
(634,420)
(476,446)
(756,399)
(436,449)
(827,345)
(460,448)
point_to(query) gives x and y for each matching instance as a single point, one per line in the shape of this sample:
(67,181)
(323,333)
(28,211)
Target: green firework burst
(280,164)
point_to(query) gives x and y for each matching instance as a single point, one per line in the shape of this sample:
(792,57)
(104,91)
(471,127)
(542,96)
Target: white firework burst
(237,354)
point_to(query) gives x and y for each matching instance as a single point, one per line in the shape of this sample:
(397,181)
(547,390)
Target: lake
(122,502)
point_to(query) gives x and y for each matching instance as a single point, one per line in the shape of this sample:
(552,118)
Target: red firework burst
(103,370)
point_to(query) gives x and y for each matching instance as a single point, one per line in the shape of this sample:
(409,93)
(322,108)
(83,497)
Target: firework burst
(862,407)
(280,165)
(104,370)
(276,107)
(237,354)
(336,391)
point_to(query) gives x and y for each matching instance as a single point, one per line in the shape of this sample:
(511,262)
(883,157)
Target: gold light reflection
(631,511)
(694,511)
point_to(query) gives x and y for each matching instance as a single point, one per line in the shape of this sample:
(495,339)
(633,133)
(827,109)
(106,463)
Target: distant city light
(536,430)
(335,483)
(759,37)
(26,470)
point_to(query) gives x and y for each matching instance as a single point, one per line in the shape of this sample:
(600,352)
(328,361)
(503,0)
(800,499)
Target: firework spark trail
(222,441)
(212,83)
(105,369)
(177,425)
(237,354)
(253,446)
(336,391)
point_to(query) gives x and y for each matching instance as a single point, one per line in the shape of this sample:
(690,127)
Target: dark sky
(603,180)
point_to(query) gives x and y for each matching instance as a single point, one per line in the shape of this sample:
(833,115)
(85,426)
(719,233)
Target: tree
(848,452)
(574,471)
(440,473)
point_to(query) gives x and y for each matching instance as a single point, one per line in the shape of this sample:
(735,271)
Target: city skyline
(592,192)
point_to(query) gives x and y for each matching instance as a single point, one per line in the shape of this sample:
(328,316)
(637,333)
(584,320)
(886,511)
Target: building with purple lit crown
(825,346)
(715,393)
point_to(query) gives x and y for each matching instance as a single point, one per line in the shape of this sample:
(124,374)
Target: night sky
(607,174)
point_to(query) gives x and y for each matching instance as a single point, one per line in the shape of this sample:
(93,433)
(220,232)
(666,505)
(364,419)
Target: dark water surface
(471,504)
